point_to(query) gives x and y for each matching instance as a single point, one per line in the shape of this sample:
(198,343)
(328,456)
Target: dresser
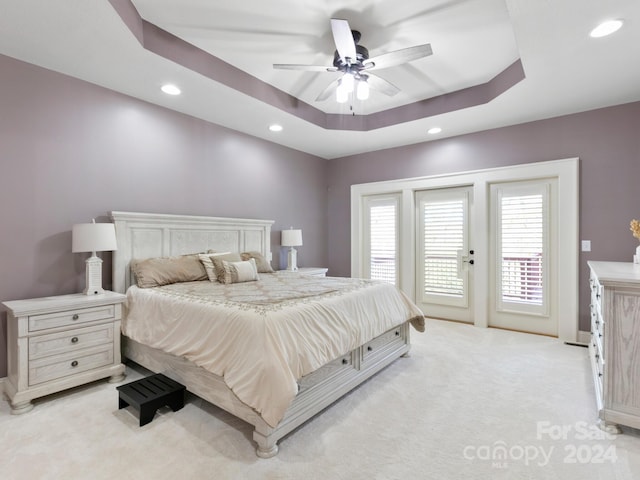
(614,347)
(55,343)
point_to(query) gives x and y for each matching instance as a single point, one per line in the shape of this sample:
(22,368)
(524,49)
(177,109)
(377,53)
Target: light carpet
(469,403)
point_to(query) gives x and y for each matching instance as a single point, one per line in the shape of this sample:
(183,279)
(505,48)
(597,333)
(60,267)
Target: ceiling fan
(352,60)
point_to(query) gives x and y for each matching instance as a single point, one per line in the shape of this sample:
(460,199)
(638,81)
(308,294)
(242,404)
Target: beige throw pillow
(236,272)
(157,271)
(262,263)
(207,262)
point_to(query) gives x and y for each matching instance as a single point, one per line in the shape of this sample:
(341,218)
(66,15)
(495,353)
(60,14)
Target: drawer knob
(75,316)
(74,363)
(369,348)
(397,333)
(74,340)
(345,361)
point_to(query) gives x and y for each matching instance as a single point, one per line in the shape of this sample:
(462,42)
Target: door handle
(470,262)
(460,259)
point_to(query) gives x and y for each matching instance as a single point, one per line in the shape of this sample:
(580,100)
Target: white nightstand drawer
(71,317)
(54,367)
(69,341)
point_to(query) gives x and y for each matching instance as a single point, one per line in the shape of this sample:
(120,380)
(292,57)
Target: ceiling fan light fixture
(362,90)
(348,82)
(606,28)
(341,94)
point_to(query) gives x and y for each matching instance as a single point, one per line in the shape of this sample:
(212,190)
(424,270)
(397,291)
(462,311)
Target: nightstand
(315,271)
(55,343)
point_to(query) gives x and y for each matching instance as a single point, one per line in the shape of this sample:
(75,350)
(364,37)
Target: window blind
(383,241)
(522,248)
(443,237)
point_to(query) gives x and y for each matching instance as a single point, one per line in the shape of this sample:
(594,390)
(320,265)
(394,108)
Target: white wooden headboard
(146,235)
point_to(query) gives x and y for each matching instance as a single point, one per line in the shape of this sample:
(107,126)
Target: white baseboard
(584,337)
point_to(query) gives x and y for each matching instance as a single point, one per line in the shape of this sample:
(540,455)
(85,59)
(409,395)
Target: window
(443,230)
(522,249)
(382,238)
(522,241)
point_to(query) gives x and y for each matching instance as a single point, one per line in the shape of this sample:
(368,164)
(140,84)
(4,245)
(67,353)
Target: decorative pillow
(236,272)
(207,262)
(262,263)
(153,272)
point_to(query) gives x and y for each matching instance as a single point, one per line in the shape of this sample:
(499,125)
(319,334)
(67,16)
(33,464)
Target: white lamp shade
(93,237)
(291,238)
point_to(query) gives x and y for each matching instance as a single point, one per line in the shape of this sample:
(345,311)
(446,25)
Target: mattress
(261,337)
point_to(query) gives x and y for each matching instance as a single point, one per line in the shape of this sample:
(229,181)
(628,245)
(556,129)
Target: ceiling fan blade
(381,85)
(398,57)
(343,39)
(327,92)
(311,68)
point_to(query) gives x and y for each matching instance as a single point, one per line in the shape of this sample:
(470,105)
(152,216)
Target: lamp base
(93,273)
(292,260)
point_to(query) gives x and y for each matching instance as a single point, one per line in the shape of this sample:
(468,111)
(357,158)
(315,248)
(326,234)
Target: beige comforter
(263,336)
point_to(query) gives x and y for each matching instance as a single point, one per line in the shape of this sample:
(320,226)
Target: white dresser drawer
(600,373)
(69,341)
(71,317)
(58,366)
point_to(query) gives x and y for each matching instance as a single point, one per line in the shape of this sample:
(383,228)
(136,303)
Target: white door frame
(566,172)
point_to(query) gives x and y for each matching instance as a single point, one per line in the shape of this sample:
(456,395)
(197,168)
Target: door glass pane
(522,249)
(443,236)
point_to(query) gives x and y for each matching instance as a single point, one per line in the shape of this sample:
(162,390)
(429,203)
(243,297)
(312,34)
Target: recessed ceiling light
(275,127)
(606,28)
(434,130)
(170,89)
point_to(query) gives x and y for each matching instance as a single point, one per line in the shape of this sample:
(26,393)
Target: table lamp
(93,237)
(291,238)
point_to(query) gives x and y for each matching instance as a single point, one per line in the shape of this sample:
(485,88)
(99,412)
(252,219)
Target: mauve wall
(70,151)
(607,141)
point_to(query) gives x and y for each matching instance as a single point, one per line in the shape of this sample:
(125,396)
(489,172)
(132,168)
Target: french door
(520,256)
(523,259)
(445,253)
(485,247)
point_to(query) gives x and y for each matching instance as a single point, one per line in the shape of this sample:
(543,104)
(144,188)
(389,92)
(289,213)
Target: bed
(273,352)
